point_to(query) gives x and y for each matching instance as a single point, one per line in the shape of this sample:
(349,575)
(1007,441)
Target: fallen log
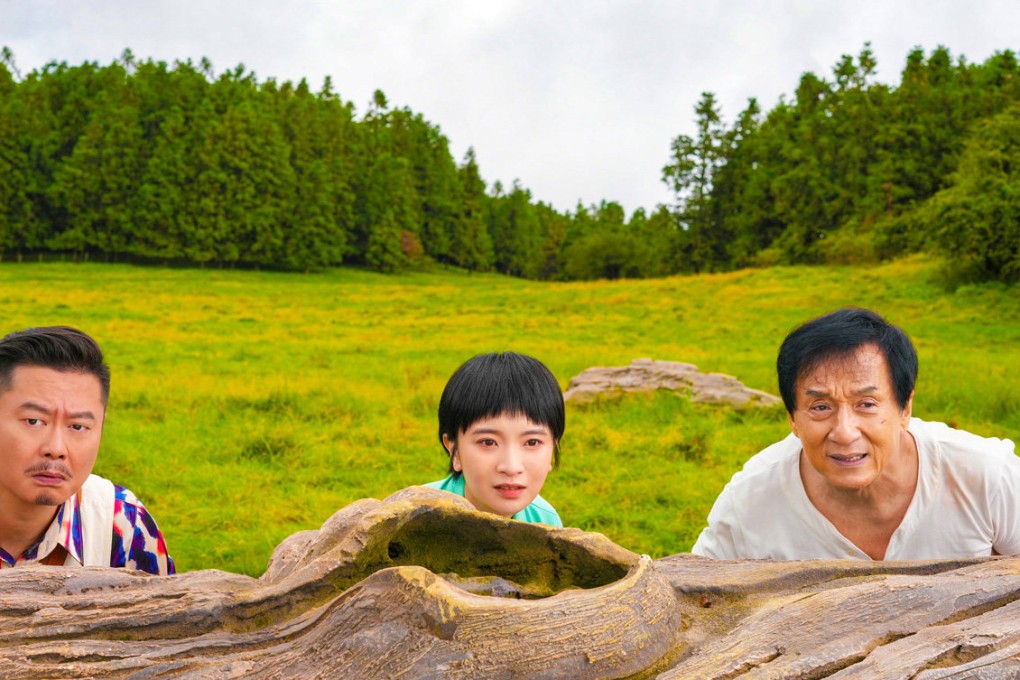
(421,585)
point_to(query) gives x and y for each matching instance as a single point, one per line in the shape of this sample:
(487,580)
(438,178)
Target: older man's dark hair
(837,336)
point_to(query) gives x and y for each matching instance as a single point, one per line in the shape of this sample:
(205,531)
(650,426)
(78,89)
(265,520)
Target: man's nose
(55,444)
(847,427)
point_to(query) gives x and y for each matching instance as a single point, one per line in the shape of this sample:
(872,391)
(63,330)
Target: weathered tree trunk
(423,586)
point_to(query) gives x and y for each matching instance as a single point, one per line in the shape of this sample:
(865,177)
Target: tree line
(851,170)
(172,163)
(150,161)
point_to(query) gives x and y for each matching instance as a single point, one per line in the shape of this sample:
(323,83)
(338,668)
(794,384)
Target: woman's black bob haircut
(837,336)
(490,385)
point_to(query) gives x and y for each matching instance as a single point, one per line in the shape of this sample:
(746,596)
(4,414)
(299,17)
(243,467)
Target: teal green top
(538,511)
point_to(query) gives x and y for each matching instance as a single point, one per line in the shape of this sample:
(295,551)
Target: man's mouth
(49,475)
(852,459)
(49,478)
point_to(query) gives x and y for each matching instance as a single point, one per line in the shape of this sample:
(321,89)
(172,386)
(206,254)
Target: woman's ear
(451,450)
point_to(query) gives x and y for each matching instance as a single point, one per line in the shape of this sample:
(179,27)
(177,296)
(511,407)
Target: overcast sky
(579,99)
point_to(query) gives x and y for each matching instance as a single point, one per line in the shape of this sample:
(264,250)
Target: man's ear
(907,410)
(793,424)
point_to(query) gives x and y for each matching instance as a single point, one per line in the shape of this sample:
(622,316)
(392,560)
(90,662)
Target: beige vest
(96,523)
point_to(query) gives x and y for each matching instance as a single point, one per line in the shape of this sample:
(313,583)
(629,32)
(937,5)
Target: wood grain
(423,586)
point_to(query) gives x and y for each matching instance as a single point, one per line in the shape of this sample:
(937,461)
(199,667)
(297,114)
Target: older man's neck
(868,517)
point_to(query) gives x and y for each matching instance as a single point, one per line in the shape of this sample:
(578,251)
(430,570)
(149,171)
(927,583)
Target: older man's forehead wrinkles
(857,392)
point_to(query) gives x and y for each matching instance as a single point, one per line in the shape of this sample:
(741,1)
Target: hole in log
(493,557)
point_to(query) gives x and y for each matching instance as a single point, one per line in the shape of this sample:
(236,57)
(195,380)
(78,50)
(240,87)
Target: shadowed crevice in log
(521,559)
(1000,664)
(967,640)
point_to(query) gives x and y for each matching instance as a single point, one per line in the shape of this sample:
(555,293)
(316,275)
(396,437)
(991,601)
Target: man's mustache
(49,468)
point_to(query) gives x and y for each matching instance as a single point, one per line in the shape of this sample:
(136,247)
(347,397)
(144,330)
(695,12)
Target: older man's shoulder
(953,442)
(768,458)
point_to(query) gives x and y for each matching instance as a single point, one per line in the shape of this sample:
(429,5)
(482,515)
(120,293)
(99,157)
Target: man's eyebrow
(39,408)
(870,389)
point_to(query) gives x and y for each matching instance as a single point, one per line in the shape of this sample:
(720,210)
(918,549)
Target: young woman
(501,418)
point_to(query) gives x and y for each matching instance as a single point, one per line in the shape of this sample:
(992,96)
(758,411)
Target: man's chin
(48,499)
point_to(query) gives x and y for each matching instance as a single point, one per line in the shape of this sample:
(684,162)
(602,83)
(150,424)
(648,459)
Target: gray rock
(644,375)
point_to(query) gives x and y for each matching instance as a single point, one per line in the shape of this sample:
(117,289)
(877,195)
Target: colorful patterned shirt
(137,541)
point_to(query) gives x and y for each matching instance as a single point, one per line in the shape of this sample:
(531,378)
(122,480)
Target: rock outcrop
(421,585)
(646,374)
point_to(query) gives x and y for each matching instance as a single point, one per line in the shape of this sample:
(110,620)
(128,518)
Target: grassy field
(249,405)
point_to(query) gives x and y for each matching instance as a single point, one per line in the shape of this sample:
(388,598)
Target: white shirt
(967,504)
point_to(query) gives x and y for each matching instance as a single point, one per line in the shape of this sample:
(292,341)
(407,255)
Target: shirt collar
(64,531)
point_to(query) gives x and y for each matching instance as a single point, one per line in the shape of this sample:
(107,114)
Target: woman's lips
(510,491)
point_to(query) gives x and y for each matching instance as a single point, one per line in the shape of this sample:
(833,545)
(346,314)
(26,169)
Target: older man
(858,477)
(53,392)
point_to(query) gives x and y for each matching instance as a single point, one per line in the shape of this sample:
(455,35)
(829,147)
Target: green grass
(249,405)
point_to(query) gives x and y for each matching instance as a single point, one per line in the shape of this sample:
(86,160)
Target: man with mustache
(859,478)
(54,387)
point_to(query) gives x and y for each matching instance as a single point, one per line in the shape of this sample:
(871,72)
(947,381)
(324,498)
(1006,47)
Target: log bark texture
(423,586)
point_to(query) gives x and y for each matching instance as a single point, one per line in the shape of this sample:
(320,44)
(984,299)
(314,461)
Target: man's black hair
(838,335)
(490,385)
(60,348)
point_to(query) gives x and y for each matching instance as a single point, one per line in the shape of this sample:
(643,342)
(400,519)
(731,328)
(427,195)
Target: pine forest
(150,162)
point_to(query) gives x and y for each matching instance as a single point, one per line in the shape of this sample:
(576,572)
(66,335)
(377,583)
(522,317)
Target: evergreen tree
(977,219)
(96,185)
(15,178)
(514,228)
(470,244)
(690,175)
